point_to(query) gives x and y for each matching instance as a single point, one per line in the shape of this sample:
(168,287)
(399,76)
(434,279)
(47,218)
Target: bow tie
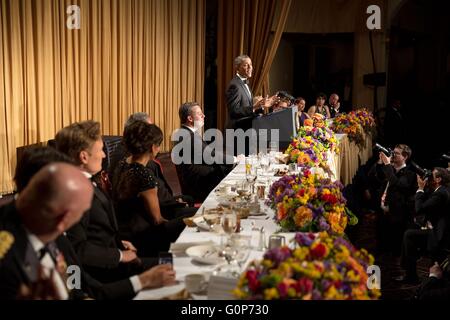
(42,252)
(245,81)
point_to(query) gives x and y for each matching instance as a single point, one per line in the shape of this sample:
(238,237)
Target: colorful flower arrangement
(310,147)
(317,267)
(354,124)
(348,124)
(310,202)
(365,118)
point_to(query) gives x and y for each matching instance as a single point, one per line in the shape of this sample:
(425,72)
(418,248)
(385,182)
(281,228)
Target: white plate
(204,254)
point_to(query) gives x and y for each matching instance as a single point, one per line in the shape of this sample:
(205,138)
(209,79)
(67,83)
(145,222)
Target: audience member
(36,250)
(104,254)
(334,105)
(135,192)
(320,107)
(197,178)
(302,116)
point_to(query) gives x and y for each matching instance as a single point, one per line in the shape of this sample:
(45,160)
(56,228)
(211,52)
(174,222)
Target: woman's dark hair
(139,137)
(322,96)
(297,101)
(34,159)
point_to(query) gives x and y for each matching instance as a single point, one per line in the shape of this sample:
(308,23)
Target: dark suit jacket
(20,265)
(97,243)
(435,207)
(400,194)
(239,104)
(434,289)
(198,180)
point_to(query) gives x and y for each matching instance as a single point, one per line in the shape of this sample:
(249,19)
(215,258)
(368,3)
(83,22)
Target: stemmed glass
(265,163)
(250,175)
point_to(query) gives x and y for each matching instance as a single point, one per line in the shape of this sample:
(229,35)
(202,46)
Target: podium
(285,121)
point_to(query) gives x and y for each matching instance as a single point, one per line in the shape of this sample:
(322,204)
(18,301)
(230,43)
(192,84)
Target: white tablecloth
(184,265)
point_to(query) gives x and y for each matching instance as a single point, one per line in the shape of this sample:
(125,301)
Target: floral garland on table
(318,267)
(354,124)
(310,202)
(348,124)
(366,119)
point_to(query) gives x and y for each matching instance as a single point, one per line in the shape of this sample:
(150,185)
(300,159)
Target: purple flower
(304,239)
(278,255)
(323,224)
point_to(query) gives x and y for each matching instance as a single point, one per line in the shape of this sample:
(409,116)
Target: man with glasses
(399,185)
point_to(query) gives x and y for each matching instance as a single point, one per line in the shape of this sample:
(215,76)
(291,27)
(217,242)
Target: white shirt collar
(400,168)
(36,243)
(87,174)
(190,128)
(242,78)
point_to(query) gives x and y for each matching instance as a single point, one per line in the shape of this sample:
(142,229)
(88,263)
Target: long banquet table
(343,165)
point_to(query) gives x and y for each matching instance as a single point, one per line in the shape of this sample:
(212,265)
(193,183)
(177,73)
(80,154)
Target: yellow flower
(271,293)
(352,276)
(303,215)
(301,253)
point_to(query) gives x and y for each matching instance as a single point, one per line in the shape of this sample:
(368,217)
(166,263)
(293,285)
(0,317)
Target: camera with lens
(422,172)
(388,152)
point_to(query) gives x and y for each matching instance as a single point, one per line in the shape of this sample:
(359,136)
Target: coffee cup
(276,241)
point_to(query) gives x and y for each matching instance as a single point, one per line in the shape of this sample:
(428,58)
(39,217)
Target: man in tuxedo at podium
(239,97)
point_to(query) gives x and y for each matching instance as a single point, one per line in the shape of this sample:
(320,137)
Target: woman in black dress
(136,195)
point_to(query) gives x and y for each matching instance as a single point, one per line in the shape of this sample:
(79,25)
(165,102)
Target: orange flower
(281,212)
(303,216)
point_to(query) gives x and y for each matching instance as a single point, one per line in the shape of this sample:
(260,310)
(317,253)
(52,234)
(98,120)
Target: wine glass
(229,222)
(251,176)
(264,162)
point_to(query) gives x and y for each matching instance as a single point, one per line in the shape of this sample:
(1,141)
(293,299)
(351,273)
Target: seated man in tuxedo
(197,177)
(96,238)
(435,239)
(34,248)
(171,206)
(334,105)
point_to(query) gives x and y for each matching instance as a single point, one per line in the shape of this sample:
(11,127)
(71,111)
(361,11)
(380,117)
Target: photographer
(399,184)
(437,285)
(434,238)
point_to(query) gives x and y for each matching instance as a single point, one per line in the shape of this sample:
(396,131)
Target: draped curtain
(244,27)
(128,56)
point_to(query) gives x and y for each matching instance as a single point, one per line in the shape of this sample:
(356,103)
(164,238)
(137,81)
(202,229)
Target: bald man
(334,105)
(33,247)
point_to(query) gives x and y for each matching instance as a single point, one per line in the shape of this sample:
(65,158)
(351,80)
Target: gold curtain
(244,27)
(128,56)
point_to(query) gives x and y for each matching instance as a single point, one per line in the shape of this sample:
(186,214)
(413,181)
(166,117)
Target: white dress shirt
(48,265)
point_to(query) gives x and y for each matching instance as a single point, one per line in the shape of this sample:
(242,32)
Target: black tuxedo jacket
(20,265)
(97,243)
(400,193)
(435,207)
(198,180)
(239,104)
